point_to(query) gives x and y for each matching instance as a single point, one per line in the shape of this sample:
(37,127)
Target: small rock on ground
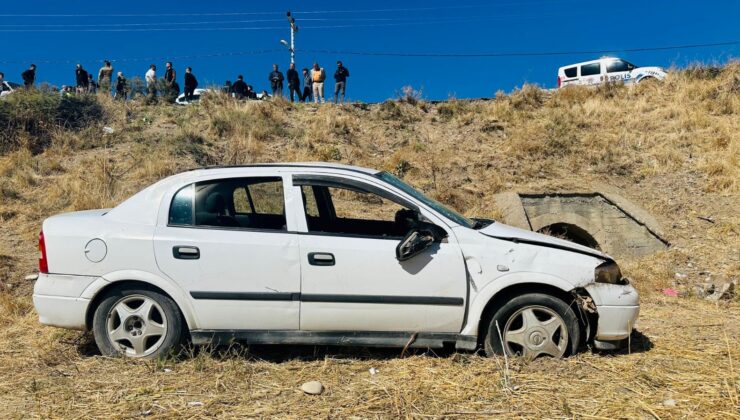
(313,388)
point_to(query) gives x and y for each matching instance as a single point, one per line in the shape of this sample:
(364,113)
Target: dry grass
(681,365)
(672,148)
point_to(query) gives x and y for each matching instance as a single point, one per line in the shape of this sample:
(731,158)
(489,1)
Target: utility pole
(293,30)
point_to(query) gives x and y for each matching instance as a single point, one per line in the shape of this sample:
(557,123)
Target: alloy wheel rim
(136,325)
(535,330)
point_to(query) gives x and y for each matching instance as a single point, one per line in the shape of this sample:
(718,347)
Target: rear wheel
(137,323)
(533,325)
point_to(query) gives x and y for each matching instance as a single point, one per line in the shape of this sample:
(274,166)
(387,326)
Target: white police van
(606,69)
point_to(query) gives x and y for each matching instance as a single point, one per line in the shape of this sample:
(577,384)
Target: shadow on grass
(638,343)
(86,347)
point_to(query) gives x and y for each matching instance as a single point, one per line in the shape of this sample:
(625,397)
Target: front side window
(617,66)
(239,203)
(353,212)
(437,206)
(590,69)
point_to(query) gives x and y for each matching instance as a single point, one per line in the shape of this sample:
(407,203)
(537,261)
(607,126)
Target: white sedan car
(320,254)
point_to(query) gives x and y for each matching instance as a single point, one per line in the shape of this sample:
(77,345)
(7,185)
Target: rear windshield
(571,72)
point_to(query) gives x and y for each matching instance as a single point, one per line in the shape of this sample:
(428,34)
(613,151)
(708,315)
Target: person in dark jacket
(276,81)
(190,84)
(294,82)
(121,87)
(82,79)
(307,86)
(29,76)
(239,88)
(340,77)
(170,82)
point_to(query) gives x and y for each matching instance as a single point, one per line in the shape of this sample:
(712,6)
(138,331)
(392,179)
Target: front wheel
(533,325)
(137,323)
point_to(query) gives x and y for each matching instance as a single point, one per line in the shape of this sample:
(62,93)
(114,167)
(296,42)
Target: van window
(590,69)
(571,72)
(617,66)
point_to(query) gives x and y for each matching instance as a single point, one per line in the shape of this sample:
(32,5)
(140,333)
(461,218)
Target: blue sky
(56,43)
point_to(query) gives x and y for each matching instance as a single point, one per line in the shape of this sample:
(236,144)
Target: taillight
(559,81)
(43,263)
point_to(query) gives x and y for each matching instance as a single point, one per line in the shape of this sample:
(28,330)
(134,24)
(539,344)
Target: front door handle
(321,258)
(186,252)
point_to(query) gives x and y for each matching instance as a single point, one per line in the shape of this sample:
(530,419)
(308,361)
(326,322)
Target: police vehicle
(606,69)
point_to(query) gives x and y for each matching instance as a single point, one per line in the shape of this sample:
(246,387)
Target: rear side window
(181,209)
(249,203)
(590,69)
(571,72)
(617,66)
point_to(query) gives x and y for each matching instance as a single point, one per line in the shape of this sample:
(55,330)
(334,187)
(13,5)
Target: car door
(350,278)
(591,73)
(618,70)
(227,243)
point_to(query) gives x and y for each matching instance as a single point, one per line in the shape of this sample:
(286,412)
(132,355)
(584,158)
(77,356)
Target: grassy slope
(671,148)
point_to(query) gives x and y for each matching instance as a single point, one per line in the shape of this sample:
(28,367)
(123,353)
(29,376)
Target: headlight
(608,272)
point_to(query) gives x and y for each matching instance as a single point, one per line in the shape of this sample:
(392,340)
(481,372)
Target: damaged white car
(320,254)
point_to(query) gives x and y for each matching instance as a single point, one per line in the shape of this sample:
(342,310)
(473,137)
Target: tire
(137,322)
(533,325)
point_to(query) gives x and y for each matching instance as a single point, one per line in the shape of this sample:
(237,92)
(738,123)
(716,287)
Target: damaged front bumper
(617,306)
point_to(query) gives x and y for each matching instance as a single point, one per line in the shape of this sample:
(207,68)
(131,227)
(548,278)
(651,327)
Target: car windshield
(439,207)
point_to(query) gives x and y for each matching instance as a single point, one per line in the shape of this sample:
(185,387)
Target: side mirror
(419,239)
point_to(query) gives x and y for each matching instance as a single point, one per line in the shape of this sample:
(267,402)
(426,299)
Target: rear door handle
(321,258)
(186,252)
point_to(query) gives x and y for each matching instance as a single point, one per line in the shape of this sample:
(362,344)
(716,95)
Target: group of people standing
(313,83)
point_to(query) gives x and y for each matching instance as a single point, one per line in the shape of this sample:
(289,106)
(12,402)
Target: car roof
(314,165)
(598,60)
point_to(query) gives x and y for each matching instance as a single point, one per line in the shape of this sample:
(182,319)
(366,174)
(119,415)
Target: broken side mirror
(419,239)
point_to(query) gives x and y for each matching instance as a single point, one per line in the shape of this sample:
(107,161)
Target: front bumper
(618,307)
(58,300)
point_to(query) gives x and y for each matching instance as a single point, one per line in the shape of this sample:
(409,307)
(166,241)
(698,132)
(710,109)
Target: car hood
(510,233)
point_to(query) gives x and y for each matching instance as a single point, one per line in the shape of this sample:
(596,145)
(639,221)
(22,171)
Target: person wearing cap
(340,79)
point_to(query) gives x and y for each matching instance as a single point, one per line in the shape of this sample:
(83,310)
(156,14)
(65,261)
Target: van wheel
(137,323)
(533,325)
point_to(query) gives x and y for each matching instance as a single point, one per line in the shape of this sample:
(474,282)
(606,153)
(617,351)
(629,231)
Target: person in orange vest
(318,75)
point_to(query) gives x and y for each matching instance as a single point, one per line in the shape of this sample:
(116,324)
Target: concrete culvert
(598,219)
(571,233)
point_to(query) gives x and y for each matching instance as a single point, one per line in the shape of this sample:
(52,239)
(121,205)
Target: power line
(430,19)
(518,54)
(386,10)
(388,54)
(435,21)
